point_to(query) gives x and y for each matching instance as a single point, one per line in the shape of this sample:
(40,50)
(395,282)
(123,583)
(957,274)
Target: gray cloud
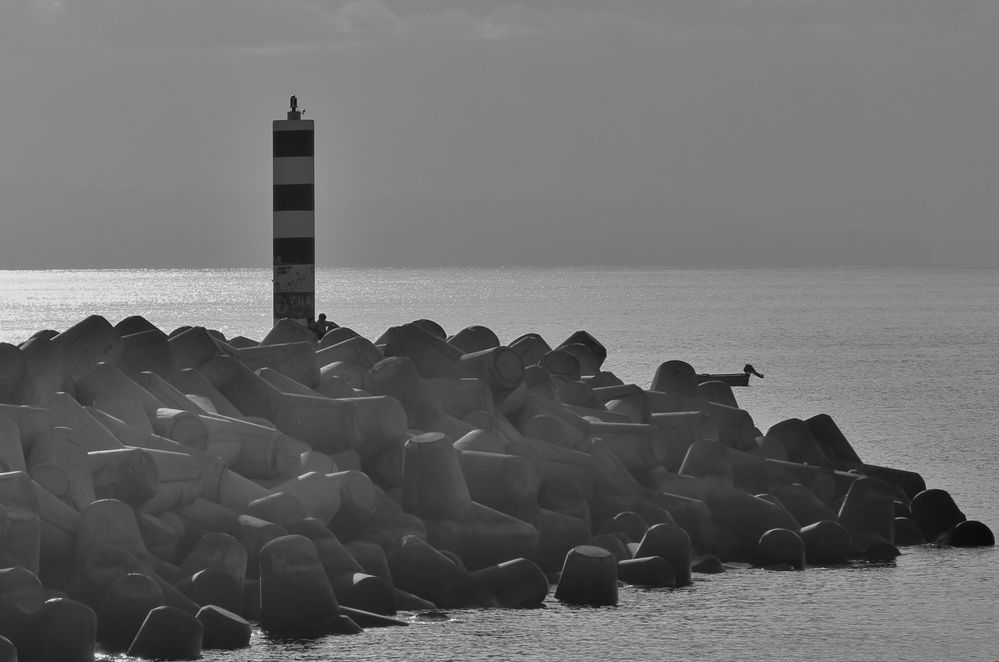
(144,24)
(269,24)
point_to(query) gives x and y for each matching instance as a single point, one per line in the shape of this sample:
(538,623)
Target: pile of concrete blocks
(163,492)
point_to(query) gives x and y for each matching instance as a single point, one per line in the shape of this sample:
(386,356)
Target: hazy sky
(492,132)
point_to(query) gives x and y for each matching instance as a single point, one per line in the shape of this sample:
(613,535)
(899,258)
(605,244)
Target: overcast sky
(492,132)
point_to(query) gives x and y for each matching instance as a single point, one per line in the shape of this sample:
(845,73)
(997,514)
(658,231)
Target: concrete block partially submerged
(588,577)
(296,599)
(168,633)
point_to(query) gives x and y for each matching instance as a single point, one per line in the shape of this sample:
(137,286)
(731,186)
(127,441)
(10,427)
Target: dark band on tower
(294,216)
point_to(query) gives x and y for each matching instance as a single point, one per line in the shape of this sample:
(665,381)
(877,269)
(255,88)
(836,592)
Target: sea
(905,360)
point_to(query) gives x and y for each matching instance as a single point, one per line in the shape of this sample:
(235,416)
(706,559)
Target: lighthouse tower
(294,217)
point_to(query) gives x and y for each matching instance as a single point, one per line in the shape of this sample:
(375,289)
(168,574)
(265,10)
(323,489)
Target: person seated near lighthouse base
(320,326)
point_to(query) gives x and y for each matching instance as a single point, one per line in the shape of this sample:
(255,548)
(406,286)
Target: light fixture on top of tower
(295,113)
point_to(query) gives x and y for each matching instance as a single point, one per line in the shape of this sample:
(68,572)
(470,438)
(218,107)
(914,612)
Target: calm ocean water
(905,360)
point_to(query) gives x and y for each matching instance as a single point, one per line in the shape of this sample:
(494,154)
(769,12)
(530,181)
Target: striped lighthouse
(294,217)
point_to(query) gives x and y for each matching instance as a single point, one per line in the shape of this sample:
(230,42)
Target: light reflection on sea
(916,609)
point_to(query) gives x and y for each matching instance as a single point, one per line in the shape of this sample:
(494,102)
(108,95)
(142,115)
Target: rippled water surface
(905,360)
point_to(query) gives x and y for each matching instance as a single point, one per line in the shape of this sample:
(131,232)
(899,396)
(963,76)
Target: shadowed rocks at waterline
(163,491)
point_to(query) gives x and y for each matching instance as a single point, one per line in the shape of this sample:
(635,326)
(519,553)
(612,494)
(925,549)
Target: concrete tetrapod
(868,513)
(196,387)
(164,535)
(168,633)
(795,435)
(419,568)
(474,338)
(833,443)
(217,551)
(683,429)
(296,360)
(88,433)
(693,515)
(615,489)
(500,368)
(317,493)
(326,424)
(87,343)
(508,483)
(280,508)
(907,484)
(628,522)
(673,544)
(595,347)
(781,547)
(718,391)
(58,522)
(16,385)
(368,593)
(531,347)
(652,571)
(431,356)
(935,513)
(211,467)
(969,533)
(745,518)
(222,629)
(58,464)
(64,630)
(710,461)
(212,586)
(588,577)
(336,559)
(45,366)
(802,503)
(124,608)
(459,396)
(907,533)
(109,522)
(128,474)
(559,363)
(826,541)
(638,446)
(20,538)
(589,361)
(632,403)
(286,330)
(483,536)
(31,422)
(397,376)
(558,533)
(676,378)
(434,484)
(147,350)
(21,599)
(192,347)
(296,599)
(615,543)
(337,335)
(11,451)
(372,557)
(356,351)
(517,583)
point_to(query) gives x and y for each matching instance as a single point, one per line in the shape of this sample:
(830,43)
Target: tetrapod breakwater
(164,491)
